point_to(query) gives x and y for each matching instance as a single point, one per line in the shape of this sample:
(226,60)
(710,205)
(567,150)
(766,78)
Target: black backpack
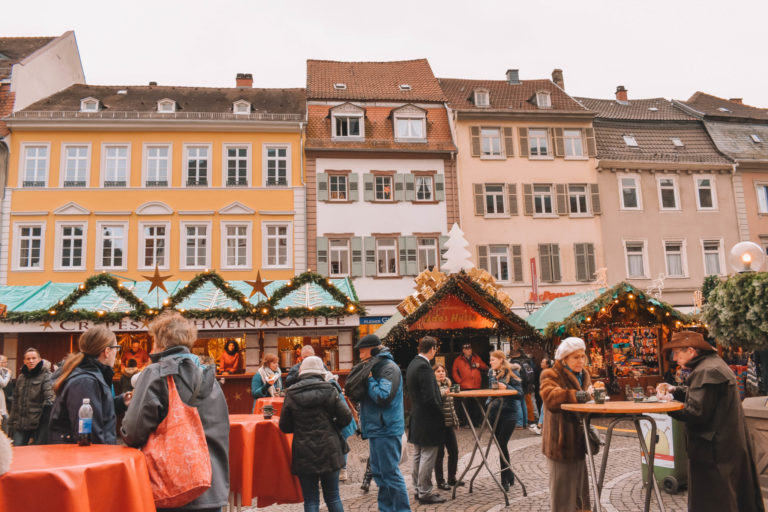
(527,375)
(356,387)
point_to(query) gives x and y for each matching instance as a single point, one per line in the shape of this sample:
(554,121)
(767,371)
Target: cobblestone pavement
(622,490)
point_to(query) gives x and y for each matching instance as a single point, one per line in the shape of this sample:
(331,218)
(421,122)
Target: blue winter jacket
(381,412)
(509,411)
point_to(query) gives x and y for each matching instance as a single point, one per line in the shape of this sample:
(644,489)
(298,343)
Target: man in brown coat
(721,471)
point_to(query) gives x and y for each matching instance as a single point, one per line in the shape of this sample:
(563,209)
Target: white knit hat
(310,365)
(568,346)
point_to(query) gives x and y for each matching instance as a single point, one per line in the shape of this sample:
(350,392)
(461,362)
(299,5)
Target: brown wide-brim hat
(685,339)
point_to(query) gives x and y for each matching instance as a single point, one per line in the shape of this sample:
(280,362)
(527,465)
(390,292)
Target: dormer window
(347,122)
(410,123)
(89,105)
(630,141)
(166,106)
(543,100)
(241,107)
(677,142)
(756,138)
(340,86)
(482,98)
(405,87)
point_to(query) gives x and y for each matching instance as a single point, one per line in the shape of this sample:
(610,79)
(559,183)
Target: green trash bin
(671,457)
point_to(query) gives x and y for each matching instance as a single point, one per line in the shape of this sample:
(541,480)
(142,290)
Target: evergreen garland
(736,312)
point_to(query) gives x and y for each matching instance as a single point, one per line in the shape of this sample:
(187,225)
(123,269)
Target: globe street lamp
(746,257)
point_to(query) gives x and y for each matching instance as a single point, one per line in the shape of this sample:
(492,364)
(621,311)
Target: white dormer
(89,105)
(241,107)
(543,99)
(166,106)
(482,98)
(347,122)
(410,123)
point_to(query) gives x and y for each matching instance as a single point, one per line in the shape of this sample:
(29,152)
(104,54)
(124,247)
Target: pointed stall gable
(225,299)
(71,208)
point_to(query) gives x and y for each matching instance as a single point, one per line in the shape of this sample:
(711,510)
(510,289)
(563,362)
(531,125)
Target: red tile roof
(6,106)
(712,106)
(650,109)
(16,49)
(507,97)
(372,81)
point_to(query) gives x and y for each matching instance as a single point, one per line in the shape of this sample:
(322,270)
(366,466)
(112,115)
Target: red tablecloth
(275,401)
(260,461)
(71,478)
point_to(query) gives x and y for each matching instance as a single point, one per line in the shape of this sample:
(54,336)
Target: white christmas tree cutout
(456,255)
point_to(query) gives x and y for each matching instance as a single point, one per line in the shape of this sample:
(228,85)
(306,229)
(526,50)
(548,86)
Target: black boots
(366,485)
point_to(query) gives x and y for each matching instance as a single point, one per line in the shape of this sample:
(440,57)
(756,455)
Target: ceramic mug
(599,396)
(268,411)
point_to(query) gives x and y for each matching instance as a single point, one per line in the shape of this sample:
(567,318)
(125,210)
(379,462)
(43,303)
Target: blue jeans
(22,437)
(330,485)
(384,459)
(522,413)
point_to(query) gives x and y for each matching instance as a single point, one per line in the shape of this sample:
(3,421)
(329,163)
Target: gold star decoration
(46,325)
(145,322)
(238,396)
(258,286)
(157,280)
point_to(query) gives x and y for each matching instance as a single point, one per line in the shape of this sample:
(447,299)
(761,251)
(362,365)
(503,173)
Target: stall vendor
(136,353)
(230,361)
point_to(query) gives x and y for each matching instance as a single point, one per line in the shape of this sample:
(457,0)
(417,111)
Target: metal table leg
(650,455)
(591,462)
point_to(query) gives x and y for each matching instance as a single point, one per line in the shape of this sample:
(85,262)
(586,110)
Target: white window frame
(142,242)
(505,208)
(17,227)
(482,98)
(550,152)
(145,163)
(236,106)
(638,191)
(58,246)
(395,253)
(543,99)
(492,257)
(89,105)
(248,163)
(183,225)
(420,120)
(676,191)
(762,200)
(391,179)
(166,106)
(683,257)
(498,156)
(248,225)
(431,178)
(346,115)
(572,140)
(587,204)
(644,255)
(265,246)
(435,246)
(185,164)
(552,200)
(713,191)
(63,163)
(23,162)
(103,174)
(265,160)
(100,245)
(331,191)
(720,254)
(337,250)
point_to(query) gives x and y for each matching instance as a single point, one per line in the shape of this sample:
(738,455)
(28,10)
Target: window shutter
(475,136)
(412,248)
(399,180)
(356,244)
(368,187)
(440,243)
(545,263)
(516,251)
(558,142)
(591,145)
(595,191)
(508,144)
(410,192)
(353,187)
(581,261)
(512,198)
(554,251)
(440,187)
(403,252)
(482,257)
(527,199)
(590,257)
(479,199)
(322,186)
(523,135)
(562,198)
(370,256)
(322,255)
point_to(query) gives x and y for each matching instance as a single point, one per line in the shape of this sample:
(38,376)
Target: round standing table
(275,401)
(479,395)
(624,411)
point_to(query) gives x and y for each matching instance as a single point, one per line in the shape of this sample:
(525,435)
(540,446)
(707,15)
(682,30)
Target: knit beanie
(568,346)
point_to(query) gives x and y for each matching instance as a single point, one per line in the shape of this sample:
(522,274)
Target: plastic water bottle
(85,415)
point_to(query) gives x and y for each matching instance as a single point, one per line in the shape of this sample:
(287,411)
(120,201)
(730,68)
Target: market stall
(625,331)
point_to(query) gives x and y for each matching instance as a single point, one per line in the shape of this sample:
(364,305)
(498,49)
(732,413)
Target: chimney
(152,83)
(244,80)
(740,101)
(513,76)
(621,93)
(557,77)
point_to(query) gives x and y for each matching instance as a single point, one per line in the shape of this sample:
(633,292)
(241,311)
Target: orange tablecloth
(260,461)
(71,478)
(276,401)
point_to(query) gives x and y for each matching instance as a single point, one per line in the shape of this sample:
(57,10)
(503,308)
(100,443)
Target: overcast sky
(655,48)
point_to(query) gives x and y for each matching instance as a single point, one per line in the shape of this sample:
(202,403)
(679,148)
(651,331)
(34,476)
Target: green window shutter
(410,192)
(554,251)
(322,255)
(322,186)
(512,198)
(356,269)
(516,251)
(482,257)
(399,180)
(368,187)
(528,199)
(411,245)
(508,143)
(370,256)
(353,187)
(562,198)
(442,250)
(579,254)
(595,192)
(439,187)
(523,137)
(475,136)
(590,257)
(557,137)
(479,199)
(545,263)
(591,145)
(403,254)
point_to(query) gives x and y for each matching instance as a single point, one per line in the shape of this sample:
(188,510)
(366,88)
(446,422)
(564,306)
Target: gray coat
(149,407)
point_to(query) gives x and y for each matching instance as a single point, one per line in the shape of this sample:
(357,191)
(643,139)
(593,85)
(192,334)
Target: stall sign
(547,296)
(451,313)
(373,320)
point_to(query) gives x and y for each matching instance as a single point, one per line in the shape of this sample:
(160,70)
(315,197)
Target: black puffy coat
(33,390)
(314,412)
